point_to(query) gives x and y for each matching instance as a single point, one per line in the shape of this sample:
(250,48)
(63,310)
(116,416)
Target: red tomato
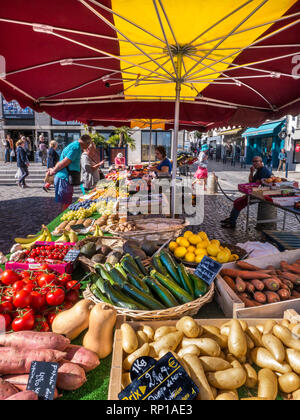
(65,278)
(46,279)
(71,285)
(72,296)
(56,297)
(41,324)
(8,295)
(9,277)
(51,317)
(67,305)
(6,307)
(18,285)
(23,322)
(5,322)
(22,299)
(29,287)
(38,300)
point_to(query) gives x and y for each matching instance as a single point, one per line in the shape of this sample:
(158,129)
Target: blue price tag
(208,270)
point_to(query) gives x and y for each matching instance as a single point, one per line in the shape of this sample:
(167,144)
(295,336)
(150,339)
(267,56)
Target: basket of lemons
(191,248)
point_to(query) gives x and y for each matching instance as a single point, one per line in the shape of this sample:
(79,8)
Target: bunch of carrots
(256,286)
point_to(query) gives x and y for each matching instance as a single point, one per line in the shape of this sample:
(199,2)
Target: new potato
(237,342)
(227,379)
(207,346)
(275,347)
(267,385)
(289,382)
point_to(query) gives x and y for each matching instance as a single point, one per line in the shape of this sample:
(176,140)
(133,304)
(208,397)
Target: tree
(122,138)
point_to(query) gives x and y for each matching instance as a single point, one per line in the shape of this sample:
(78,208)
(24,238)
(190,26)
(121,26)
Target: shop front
(265,141)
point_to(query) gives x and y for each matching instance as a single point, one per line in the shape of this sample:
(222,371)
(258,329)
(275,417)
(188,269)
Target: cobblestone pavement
(22,212)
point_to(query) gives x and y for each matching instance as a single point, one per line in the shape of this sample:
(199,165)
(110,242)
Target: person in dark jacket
(22,163)
(52,159)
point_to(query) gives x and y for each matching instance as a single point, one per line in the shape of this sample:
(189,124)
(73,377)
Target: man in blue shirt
(257,172)
(282,160)
(69,161)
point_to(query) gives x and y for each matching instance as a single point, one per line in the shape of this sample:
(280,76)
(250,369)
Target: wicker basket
(191,308)
(154,229)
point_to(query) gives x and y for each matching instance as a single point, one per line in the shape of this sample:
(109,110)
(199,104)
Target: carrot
(272,297)
(260,297)
(246,266)
(240,285)
(293,268)
(284,286)
(34,340)
(250,288)
(284,294)
(291,277)
(252,275)
(288,283)
(230,282)
(271,284)
(230,272)
(248,302)
(259,286)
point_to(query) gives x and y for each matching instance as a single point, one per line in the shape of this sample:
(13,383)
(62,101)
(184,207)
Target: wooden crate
(115,385)
(233,307)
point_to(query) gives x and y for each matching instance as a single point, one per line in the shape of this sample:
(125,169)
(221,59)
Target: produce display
(47,252)
(261,361)
(130,284)
(115,223)
(256,287)
(18,350)
(27,243)
(82,213)
(30,300)
(82,204)
(192,248)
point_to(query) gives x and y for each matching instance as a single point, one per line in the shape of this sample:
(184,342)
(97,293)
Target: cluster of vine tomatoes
(30,300)
(55,253)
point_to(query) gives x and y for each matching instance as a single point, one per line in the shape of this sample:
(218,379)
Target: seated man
(257,172)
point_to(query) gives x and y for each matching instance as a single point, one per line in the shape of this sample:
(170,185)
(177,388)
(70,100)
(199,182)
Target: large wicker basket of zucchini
(163,290)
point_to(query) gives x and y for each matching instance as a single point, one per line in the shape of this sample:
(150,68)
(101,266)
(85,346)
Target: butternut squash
(99,337)
(74,321)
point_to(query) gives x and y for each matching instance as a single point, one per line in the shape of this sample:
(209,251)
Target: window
(57,122)
(159,138)
(64,138)
(298,121)
(12,110)
(297,151)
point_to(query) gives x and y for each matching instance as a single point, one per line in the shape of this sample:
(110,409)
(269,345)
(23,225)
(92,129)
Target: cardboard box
(233,307)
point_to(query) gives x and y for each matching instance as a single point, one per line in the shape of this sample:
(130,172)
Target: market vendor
(165,166)
(258,172)
(120,161)
(67,171)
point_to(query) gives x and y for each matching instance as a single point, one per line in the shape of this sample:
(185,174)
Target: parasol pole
(150,146)
(176,132)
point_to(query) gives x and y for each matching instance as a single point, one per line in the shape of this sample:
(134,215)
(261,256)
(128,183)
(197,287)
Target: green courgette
(132,262)
(160,267)
(143,298)
(103,273)
(121,269)
(99,295)
(180,294)
(200,286)
(117,277)
(100,284)
(162,292)
(186,282)
(170,265)
(141,266)
(119,299)
(129,268)
(138,283)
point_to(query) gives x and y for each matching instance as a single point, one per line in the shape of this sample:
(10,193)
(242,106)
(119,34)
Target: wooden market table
(255,197)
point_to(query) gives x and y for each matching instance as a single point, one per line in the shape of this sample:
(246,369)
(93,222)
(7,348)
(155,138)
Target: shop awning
(231,132)
(268,128)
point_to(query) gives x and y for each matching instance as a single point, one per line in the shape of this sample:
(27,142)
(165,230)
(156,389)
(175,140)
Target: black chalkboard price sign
(166,380)
(72,255)
(140,366)
(208,270)
(42,379)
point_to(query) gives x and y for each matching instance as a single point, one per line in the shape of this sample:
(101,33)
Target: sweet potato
(83,357)
(13,361)
(240,285)
(271,284)
(272,297)
(258,284)
(260,297)
(230,282)
(23,388)
(7,390)
(17,379)
(284,294)
(34,340)
(24,396)
(70,376)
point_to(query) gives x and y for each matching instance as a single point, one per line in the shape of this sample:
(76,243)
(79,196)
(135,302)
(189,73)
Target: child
(202,173)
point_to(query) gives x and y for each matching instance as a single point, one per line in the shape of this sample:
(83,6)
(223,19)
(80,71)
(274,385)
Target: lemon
(233,258)
(180,252)
(187,234)
(215,242)
(179,239)
(184,243)
(173,246)
(191,249)
(223,257)
(203,236)
(203,244)
(199,258)
(190,257)
(194,240)
(199,252)
(213,250)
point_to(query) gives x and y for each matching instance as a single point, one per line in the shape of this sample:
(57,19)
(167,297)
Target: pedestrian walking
(67,171)
(8,146)
(43,150)
(282,156)
(90,169)
(201,174)
(52,159)
(22,163)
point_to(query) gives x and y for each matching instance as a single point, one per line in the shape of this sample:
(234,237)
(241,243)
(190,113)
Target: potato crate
(115,385)
(233,307)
